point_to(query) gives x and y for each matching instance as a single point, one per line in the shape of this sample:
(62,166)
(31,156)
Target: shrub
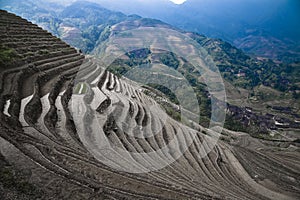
(7,56)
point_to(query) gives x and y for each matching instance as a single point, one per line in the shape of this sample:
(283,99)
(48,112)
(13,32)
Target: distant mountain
(261,27)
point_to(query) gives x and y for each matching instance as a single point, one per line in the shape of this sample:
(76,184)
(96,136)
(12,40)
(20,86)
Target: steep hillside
(80,132)
(31,61)
(268,89)
(31,56)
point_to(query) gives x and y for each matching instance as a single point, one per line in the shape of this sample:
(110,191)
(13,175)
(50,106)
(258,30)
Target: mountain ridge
(236,22)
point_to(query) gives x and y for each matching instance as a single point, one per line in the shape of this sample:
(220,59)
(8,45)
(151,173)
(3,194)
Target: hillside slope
(270,89)
(57,111)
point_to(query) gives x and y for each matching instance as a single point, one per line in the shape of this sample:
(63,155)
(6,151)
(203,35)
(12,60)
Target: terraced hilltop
(53,99)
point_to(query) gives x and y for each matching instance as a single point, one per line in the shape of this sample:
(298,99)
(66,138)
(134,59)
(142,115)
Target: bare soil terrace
(47,132)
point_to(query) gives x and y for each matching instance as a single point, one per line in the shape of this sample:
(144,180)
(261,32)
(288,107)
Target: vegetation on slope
(7,56)
(244,71)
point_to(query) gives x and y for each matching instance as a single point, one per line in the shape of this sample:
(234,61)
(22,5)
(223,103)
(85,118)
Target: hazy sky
(99,1)
(178,1)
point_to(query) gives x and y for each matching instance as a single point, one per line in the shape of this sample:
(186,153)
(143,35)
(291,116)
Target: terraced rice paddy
(83,138)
